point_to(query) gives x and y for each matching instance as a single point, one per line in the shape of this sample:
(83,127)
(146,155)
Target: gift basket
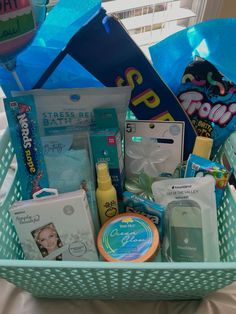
(148,220)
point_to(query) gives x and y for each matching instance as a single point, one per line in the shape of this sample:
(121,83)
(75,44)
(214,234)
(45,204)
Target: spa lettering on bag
(148,97)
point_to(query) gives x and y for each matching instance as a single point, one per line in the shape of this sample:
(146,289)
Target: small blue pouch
(155,212)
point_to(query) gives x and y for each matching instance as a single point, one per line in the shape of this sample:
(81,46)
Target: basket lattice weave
(102,280)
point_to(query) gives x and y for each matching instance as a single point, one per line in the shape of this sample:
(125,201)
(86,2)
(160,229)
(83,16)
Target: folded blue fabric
(207,40)
(62,22)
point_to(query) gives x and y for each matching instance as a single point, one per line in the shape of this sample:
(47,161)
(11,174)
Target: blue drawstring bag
(199,65)
(62,22)
(213,40)
(79,45)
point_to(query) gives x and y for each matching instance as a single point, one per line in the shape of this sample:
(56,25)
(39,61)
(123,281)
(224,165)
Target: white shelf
(125,5)
(156,18)
(154,36)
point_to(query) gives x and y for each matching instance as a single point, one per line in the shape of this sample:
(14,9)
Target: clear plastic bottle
(105,194)
(202,147)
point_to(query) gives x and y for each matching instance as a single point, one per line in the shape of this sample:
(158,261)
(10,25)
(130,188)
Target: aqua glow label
(127,238)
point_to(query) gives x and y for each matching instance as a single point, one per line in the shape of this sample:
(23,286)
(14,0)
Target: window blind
(149,21)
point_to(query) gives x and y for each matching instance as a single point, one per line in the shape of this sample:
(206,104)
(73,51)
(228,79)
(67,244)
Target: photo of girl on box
(47,240)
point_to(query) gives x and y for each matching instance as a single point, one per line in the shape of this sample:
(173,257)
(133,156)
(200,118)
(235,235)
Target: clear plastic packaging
(70,110)
(154,148)
(191,233)
(69,165)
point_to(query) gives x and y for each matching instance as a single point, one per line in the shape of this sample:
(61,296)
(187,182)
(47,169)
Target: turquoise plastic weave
(103,280)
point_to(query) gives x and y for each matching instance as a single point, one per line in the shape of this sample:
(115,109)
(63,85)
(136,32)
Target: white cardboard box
(56,227)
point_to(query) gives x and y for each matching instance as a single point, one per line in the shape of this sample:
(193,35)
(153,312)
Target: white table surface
(16,301)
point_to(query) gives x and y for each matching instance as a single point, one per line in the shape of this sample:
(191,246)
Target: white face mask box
(56,227)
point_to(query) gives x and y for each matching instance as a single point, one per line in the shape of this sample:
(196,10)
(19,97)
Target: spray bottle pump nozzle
(103,176)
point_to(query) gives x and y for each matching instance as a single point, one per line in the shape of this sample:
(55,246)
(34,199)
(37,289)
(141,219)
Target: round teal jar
(128,238)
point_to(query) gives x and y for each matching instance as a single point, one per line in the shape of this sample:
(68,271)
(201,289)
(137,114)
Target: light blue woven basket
(103,280)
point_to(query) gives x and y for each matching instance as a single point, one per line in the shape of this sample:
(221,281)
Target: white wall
(228,9)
